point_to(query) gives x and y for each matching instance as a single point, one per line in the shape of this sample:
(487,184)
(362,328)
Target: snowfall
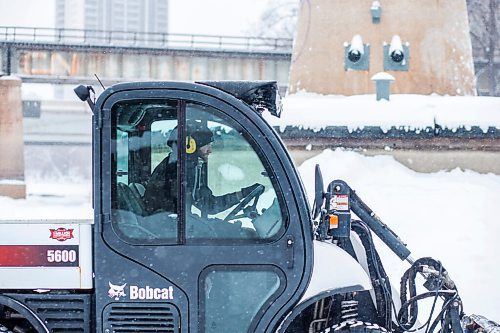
(450,215)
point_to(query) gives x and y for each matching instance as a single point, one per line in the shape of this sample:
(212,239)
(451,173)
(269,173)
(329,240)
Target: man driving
(161,190)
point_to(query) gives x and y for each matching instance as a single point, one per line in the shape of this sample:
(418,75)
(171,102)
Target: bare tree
(278,20)
(484,32)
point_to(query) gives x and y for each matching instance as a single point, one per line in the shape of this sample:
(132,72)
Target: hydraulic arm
(336,224)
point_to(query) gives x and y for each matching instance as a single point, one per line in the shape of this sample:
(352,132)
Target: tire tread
(355,326)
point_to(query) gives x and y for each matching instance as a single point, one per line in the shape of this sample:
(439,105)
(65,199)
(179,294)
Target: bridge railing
(143,39)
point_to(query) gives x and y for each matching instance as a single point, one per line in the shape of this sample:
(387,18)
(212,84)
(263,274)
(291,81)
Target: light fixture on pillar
(376,11)
(356,54)
(396,55)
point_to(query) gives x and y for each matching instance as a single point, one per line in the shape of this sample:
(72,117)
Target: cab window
(141,130)
(233,297)
(228,192)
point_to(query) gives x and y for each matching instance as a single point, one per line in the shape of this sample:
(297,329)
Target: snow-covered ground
(50,199)
(450,216)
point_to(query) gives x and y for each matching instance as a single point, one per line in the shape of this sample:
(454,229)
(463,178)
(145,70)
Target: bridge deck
(61,56)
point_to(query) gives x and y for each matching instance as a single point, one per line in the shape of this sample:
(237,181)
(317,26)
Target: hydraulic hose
(378,276)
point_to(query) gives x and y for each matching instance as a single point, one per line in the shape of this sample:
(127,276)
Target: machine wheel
(4,329)
(355,326)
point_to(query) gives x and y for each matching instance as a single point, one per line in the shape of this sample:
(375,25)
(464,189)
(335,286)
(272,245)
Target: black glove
(245,191)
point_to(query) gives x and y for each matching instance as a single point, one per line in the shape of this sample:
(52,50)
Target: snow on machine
(201,224)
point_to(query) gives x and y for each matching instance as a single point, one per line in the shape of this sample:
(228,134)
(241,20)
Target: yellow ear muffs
(190,145)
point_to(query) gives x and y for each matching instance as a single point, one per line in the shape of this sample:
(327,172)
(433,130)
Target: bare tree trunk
(492,46)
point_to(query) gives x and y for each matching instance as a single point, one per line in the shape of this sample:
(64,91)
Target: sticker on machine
(61,234)
(117,291)
(39,256)
(339,202)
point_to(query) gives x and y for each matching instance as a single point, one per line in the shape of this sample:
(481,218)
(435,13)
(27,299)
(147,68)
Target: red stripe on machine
(39,256)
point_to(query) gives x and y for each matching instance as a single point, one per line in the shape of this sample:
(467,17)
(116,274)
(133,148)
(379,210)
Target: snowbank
(314,111)
(450,216)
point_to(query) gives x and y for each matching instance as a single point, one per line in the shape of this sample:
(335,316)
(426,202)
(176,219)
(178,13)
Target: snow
(357,44)
(448,215)
(382,76)
(314,111)
(11,182)
(10,78)
(50,199)
(396,45)
(230,172)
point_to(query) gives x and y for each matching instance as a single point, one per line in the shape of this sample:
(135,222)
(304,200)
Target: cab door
(236,265)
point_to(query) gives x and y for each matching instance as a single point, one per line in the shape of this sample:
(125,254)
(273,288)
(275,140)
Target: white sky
(209,17)
(27,13)
(219,17)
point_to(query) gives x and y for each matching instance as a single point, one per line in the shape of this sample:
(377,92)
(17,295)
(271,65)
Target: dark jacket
(161,190)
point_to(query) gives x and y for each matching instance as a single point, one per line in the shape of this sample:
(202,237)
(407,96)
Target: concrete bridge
(59,56)
(72,56)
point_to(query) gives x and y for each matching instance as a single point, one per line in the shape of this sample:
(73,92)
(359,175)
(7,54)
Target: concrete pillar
(11,139)
(434,34)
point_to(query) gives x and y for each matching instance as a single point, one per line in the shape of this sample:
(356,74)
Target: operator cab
(201,212)
(145,208)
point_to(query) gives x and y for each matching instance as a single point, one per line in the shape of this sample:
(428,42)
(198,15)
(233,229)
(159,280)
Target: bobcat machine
(267,264)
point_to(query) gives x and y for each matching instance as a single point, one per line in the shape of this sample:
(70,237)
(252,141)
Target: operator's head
(199,140)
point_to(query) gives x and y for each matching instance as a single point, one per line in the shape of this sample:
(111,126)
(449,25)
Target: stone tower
(424,45)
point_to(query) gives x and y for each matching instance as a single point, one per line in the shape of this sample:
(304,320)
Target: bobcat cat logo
(116,291)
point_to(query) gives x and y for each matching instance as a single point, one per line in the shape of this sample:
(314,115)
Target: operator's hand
(245,191)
